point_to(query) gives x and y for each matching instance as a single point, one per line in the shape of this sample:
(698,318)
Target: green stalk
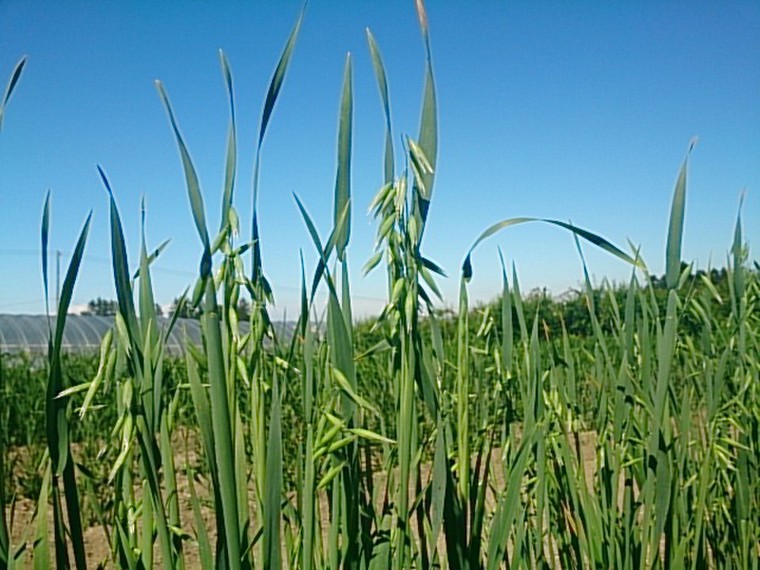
(221,418)
(57,410)
(143,348)
(308,500)
(463,392)
(6,555)
(273,495)
(221,422)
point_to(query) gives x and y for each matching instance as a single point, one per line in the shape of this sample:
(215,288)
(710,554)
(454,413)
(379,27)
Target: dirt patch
(98,549)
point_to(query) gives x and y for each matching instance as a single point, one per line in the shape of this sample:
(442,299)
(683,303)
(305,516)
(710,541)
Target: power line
(154,268)
(22,303)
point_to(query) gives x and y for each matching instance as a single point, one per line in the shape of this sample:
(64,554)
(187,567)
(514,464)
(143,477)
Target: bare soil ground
(97,546)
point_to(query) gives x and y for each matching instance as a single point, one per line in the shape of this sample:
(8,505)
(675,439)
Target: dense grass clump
(617,429)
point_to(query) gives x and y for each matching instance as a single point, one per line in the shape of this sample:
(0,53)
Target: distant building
(84,333)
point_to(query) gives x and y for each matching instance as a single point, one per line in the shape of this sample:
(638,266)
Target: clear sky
(579,111)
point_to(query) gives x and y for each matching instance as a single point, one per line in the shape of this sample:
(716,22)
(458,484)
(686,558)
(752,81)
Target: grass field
(494,437)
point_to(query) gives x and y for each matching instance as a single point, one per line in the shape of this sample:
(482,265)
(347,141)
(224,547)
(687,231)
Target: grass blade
(273,491)
(222,427)
(57,411)
(341,223)
(193,185)
(737,253)
(120,264)
(279,76)
(274,90)
(221,417)
(45,235)
(382,84)
(41,540)
(508,507)
(507,327)
(15,76)
(675,227)
(428,137)
(231,161)
(585,234)
(57,423)
(204,544)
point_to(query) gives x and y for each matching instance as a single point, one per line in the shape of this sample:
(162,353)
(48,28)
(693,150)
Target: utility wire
(154,268)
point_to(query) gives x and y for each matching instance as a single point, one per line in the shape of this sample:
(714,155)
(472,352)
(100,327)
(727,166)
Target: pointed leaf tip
(104,178)
(342,196)
(15,76)
(422,15)
(675,228)
(467,268)
(279,76)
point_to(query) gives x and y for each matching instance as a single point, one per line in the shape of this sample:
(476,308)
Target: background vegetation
(618,428)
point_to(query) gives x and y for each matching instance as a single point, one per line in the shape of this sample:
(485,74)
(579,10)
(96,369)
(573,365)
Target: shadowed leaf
(11,86)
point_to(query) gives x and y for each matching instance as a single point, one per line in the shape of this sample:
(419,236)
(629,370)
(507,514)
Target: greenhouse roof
(83,333)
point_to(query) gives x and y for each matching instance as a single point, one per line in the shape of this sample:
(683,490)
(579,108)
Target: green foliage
(7,554)
(617,427)
(102,307)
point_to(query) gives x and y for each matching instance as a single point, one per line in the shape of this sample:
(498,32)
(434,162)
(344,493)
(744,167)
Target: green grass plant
(617,429)
(7,556)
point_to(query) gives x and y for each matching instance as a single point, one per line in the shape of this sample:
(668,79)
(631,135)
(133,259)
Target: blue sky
(579,111)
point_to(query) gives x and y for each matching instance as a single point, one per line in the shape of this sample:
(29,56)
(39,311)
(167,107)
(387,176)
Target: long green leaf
(428,137)
(57,410)
(279,76)
(204,544)
(15,76)
(274,90)
(193,186)
(507,339)
(74,515)
(45,236)
(221,419)
(57,422)
(59,530)
(382,84)
(341,223)
(323,253)
(737,253)
(675,228)
(273,489)
(585,234)
(120,264)
(231,161)
(146,532)
(41,539)
(508,506)
(152,257)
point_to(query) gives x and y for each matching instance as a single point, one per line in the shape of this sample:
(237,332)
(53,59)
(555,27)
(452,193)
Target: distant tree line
(109,307)
(570,311)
